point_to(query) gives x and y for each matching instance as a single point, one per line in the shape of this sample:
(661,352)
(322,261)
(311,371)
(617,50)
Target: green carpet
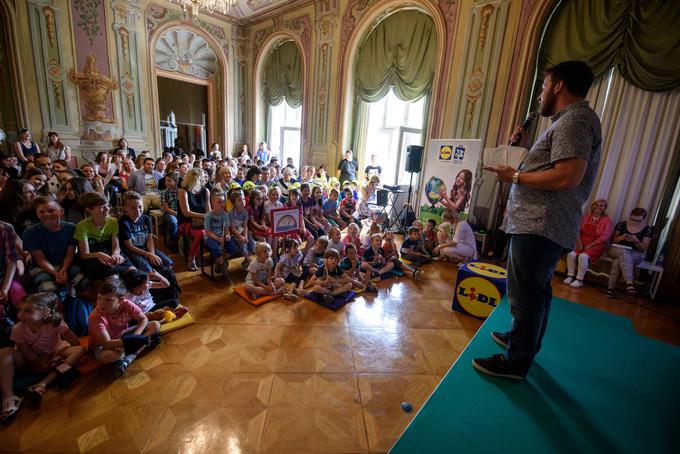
(596,386)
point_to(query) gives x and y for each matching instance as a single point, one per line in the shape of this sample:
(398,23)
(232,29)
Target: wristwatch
(515,178)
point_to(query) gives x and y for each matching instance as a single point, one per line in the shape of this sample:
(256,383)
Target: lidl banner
(448,177)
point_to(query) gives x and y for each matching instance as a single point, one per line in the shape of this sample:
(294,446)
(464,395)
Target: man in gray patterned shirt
(544,211)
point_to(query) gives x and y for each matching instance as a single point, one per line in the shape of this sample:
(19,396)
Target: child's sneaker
(119,368)
(291,297)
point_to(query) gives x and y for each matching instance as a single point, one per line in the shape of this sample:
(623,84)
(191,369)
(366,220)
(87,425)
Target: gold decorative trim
(125,42)
(96,87)
(485,13)
(49,14)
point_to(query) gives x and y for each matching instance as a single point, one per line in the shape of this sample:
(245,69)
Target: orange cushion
(241,291)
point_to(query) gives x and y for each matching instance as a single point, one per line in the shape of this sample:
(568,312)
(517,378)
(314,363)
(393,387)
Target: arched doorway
(189,89)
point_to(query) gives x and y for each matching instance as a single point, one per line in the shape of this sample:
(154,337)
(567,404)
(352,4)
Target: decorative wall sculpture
(96,88)
(126,14)
(479,66)
(94,80)
(185,52)
(326,23)
(49,69)
(241,52)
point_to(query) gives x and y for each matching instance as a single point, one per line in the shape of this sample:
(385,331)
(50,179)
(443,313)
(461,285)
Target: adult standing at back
(347,168)
(544,211)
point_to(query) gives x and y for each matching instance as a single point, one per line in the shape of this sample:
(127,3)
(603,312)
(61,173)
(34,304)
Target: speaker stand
(405,213)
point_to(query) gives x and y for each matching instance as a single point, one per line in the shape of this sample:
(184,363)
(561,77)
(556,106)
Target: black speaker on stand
(414,164)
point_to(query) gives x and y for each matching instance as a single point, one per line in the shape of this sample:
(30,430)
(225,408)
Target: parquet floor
(284,377)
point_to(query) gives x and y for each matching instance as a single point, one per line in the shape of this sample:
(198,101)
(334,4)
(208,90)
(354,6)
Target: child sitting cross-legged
(289,268)
(217,231)
(53,248)
(351,266)
(260,280)
(112,339)
(314,257)
(329,280)
(146,291)
(44,344)
(335,241)
(375,263)
(391,253)
(413,249)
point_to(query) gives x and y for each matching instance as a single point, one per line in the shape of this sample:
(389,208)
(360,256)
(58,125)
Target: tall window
(284,132)
(393,125)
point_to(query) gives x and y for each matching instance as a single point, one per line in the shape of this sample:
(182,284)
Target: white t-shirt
(259,271)
(464,236)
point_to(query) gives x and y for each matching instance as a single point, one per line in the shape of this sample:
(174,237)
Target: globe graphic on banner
(433,188)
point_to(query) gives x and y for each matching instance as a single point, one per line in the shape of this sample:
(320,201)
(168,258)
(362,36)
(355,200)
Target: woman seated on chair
(630,241)
(595,231)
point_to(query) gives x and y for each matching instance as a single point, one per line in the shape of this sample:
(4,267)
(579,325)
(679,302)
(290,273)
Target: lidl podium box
(479,288)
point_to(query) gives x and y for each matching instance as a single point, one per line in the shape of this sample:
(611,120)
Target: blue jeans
(170,226)
(531,263)
(142,263)
(217,250)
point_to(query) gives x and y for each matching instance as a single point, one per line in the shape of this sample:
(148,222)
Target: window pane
(396,110)
(291,145)
(378,143)
(415,114)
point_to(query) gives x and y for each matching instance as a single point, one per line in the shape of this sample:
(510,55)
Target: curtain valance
(400,52)
(283,76)
(640,37)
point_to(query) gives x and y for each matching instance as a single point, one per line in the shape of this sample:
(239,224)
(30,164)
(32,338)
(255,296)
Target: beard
(547,105)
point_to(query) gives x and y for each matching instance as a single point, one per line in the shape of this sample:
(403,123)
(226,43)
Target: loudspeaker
(414,158)
(381,197)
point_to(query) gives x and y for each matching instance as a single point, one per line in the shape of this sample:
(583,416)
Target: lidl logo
(488,270)
(459,153)
(445,153)
(477,296)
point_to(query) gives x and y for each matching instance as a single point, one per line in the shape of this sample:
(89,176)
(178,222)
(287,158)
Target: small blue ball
(406,407)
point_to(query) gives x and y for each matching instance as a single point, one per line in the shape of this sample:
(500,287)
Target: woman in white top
(461,245)
(55,149)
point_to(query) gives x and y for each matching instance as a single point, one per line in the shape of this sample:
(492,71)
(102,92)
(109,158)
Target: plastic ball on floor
(406,407)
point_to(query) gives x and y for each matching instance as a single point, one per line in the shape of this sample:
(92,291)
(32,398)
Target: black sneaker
(501,339)
(498,366)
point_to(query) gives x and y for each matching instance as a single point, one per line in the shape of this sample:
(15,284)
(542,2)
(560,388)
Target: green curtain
(283,76)
(640,37)
(400,52)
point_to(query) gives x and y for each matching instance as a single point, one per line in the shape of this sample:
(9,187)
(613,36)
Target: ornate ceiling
(251,9)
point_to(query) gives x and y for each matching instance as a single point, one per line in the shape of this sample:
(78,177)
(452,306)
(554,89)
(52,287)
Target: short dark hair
(134,278)
(331,253)
(576,75)
(639,212)
(413,229)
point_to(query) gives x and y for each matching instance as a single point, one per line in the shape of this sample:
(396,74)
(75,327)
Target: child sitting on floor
(330,210)
(144,289)
(412,249)
(375,263)
(112,339)
(314,257)
(335,241)
(352,237)
(260,280)
(329,280)
(391,253)
(44,344)
(430,235)
(289,267)
(217,225)
(351,266)
(372,230)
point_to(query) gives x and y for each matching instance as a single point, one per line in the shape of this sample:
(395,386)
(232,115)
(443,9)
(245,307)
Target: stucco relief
(185,52)
(96,87)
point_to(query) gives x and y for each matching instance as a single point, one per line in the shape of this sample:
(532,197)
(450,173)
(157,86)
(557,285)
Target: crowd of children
(109,261)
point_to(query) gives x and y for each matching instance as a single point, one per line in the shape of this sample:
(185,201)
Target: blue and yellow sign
(479,289)
(445,153)
(459,153)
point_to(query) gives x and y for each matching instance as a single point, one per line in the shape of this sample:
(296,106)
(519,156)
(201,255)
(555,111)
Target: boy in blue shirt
(217,229)
(52,248)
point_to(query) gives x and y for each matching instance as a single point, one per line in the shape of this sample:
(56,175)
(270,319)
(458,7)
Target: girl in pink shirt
(43,343)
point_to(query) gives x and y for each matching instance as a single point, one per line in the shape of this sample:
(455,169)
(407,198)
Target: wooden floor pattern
(284,377)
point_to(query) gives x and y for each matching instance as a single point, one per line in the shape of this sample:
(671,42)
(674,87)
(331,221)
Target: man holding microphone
(544,211)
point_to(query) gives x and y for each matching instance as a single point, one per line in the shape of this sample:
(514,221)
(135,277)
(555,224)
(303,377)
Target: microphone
(531,116)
